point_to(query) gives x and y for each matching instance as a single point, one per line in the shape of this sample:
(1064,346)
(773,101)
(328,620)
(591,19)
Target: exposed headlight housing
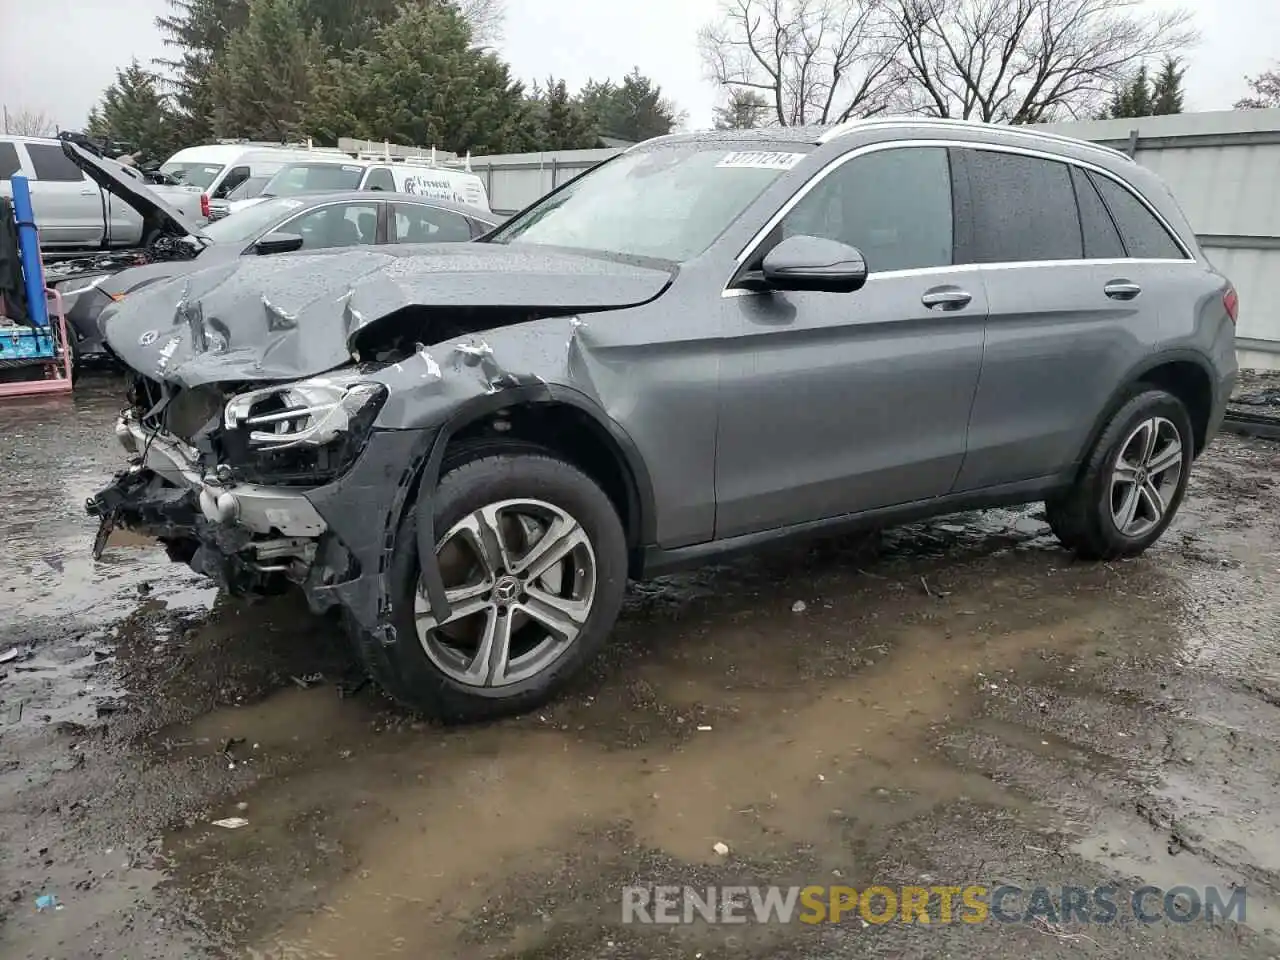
(305,432)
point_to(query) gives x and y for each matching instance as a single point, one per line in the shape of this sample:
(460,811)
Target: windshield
(668,202)
(251,222)
(195,174)
(313,178)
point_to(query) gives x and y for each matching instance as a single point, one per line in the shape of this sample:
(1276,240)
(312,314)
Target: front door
(834,404)
(68,205)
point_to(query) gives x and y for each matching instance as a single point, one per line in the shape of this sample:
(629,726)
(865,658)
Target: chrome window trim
(759,237)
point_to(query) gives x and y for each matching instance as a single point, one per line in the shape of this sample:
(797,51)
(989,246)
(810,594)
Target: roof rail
(849,126)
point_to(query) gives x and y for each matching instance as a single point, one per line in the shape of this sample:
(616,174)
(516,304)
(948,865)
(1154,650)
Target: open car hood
(157,216)
(289,316)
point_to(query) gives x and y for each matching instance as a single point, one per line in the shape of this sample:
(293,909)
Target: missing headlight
(307,432)
(313,412)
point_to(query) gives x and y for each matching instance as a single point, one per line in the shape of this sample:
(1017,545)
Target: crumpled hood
(156,213)
(285,317)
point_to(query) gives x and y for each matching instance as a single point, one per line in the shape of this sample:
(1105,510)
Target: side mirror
(278,243)
(813,263)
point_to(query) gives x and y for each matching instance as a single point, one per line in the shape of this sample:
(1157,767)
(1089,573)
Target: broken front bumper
(333,540)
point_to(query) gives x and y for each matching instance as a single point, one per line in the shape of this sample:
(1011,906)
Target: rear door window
(892,205)
(51,164)
(1101,239)
(1022,208)
(1144,236)
(419,223)
(9,163)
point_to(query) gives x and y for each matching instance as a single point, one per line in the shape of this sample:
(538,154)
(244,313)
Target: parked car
(705,344)
(72,211)
(404,176)
(218,168)
(309,223)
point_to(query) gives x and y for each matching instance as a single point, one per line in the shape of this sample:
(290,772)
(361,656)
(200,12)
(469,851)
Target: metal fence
(1224,167)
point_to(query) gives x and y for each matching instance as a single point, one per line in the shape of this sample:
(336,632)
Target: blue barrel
(29,251)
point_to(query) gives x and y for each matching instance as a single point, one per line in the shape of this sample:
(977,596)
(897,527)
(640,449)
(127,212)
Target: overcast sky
(57,55)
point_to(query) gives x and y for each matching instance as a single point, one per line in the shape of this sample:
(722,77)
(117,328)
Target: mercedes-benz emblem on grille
(148,338)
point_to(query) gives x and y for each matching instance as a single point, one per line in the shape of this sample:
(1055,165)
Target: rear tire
(1130,487)
(520,496)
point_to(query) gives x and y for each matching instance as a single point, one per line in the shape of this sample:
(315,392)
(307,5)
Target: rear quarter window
(1144,236)
(1101,239)
(1022,208)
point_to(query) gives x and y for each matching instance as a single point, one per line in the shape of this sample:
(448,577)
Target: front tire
(534,561)
(1133,482)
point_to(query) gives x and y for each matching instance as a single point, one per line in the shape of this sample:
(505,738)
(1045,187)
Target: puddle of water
(436,821)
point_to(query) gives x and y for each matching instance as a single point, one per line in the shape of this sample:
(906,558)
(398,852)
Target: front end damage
(283,415)
(264,488)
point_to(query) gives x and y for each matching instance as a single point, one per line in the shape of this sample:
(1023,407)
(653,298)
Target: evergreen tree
(136,116)
(745,109)
(262,83)
(632,110)
(197,31)
(565,125)
(423,81)
(1167,95)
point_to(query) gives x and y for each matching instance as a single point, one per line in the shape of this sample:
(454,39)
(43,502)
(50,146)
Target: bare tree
(816,61)
(1028,61)
(29,123)
(1266,92)
(486,18)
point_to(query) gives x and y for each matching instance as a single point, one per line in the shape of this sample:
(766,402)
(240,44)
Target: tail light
(1232,302)
(204,205)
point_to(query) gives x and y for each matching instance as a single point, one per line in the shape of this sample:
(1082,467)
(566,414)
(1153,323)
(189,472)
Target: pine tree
(1167,95)
(423,81)
(135,116)
(745,109)
(263,81)
(632,110)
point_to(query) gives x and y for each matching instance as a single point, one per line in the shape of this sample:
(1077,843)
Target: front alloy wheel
(1145,476)
(520,578)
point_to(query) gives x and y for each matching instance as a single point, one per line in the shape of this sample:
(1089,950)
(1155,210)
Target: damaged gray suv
(705,344)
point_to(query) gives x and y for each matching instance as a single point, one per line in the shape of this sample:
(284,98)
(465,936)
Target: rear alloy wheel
(1133,482)
(534,562)
(1145,476)
(520,577)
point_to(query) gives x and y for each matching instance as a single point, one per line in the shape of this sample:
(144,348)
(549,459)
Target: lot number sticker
(762,161)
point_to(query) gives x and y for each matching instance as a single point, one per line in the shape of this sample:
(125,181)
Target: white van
(328,174)
(219,168)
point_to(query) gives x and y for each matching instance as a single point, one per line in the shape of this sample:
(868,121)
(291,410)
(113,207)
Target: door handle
(1121,290)
(948,298)
(88,192)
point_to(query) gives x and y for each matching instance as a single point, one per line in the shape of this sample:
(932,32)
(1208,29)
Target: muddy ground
(956,701)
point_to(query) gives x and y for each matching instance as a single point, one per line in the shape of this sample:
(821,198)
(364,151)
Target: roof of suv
(819,135)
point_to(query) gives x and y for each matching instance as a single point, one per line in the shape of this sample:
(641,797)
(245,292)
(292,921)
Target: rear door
(1062,329)
(839,403)
(69,207)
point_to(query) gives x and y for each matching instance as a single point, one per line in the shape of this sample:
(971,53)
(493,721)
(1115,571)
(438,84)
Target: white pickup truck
(74,213)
